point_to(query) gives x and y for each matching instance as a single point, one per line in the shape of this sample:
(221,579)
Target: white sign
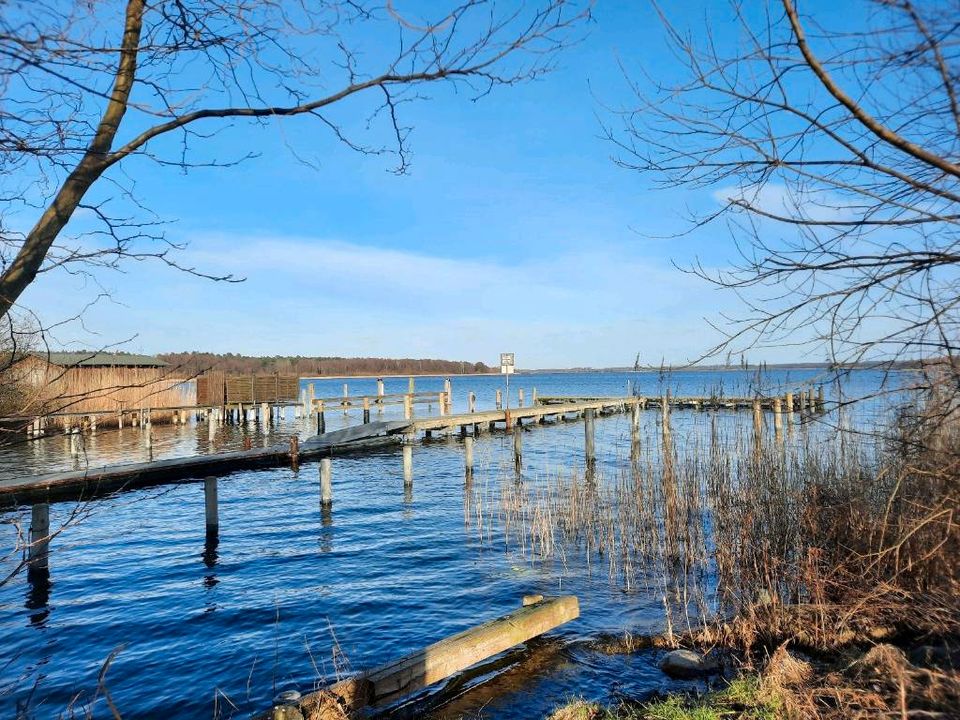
(506,363)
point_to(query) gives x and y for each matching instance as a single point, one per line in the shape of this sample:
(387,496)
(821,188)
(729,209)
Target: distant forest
(197,362)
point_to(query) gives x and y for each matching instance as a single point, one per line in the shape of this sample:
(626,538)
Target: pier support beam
(321,419)
(520,397)
(326,482)
(211,508)
(635,431)
(588,438)
(778,418)
(366,410)
(39,550)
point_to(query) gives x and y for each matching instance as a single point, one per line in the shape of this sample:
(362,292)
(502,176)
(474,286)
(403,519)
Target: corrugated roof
(100,359)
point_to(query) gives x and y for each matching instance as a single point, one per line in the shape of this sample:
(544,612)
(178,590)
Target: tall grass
(819,533)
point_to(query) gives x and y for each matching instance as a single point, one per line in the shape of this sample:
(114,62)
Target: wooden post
(442,403)
(811,400)
(789,404)
(410,385)
(408,461)
(407,406)
(321,419)
(518,448)
(757,421)
(533,397)
(294,449)
(777,418)
(366,410)
(471,402)
(211,430)
(346,398)
(468,456)
(820,399)
(447,394)
(39,551)
(326,482)
(379,395)
(588,437)
(520,397)
(499,400)
(803,402)
(211,506)
(635,430)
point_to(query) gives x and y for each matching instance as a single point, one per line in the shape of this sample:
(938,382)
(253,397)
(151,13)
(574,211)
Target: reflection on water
(399,576)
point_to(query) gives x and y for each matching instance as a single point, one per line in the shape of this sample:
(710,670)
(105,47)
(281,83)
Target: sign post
(506,368)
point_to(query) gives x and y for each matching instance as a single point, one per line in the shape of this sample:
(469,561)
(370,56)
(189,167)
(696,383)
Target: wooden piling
(321,419)
(499,400)
(520,397)
(366,410)
(635,430)
(471,402)
(410,385)
(788,401)
(39,550)
(294,449)
(468,457)
(757,422)
(346,398)
(820,399)
(408,462)
(407,406)
(210,505)
(518,448)
(777,418)
(326,482)
(588,437)
(379,389)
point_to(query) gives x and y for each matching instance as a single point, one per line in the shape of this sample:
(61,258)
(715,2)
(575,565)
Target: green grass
(742,699)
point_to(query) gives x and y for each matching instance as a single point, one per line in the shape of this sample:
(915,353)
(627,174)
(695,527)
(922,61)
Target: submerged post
(588,437)
(326,482)
(210,505)
(39,551)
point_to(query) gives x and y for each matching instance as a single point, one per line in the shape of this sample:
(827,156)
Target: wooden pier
(85,484)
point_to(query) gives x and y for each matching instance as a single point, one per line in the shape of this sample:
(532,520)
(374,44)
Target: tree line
(196,363)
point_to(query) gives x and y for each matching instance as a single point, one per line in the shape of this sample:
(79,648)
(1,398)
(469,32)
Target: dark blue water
(291,594)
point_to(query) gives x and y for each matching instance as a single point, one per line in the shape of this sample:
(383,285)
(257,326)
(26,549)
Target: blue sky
(513,231)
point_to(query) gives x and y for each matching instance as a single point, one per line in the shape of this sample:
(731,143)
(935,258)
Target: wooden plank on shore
(434,663)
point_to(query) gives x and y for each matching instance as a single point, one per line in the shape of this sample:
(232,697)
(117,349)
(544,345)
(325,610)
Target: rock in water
(687,664)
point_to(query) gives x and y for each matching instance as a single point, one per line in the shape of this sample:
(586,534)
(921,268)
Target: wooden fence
(217,389)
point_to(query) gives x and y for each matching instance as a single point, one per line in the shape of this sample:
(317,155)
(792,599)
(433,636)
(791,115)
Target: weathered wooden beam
(434,663)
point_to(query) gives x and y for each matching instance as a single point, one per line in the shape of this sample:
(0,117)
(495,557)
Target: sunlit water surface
(216,629)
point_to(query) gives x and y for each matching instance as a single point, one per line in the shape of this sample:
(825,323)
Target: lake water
(292,593)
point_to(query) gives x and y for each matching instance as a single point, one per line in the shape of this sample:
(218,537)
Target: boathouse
(62,385)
